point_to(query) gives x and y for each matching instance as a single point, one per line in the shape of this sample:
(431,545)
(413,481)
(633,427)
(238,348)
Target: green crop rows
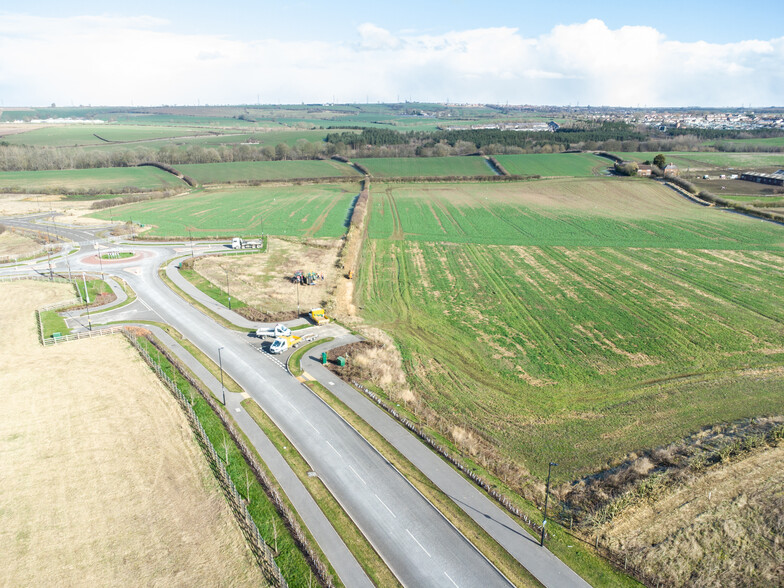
(577,351)
(213,173)
(409,167)
(554,164)
(85,134)
(98,179)
(305,211)
(595,212)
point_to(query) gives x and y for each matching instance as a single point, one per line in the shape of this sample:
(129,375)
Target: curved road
(418,544)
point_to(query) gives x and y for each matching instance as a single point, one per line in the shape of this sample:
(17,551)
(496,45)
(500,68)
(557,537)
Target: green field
(303,211)
(85,134)
(554,164)
(590,329)
(215,173)
(696,161)
(409,167)
(605,212)
(103,179)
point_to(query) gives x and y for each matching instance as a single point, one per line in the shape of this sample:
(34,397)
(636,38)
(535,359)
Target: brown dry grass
(13,244)
(102,482)
(264,280)
(12,204)
(725,528)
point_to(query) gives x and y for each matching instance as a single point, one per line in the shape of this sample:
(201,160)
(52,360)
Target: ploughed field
(320,210)
(577,320)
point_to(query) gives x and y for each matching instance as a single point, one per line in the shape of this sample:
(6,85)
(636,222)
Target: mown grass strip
(509,566)
(52,322)
(272,527)
(95,288)
(359,546)
(210,289)
(294,361)
(184,295)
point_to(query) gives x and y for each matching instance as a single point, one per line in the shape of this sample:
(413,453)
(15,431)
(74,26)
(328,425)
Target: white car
(275,332)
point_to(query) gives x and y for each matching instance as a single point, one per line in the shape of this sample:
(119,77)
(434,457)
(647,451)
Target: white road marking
(332,383)
(385,506)
(333,449)
(451,580)
(311,425)
(417,542)
(357,475)
(237,409)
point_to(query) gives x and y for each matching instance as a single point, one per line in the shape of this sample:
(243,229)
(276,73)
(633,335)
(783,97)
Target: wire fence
(449,456)
(262,552)
(319,568)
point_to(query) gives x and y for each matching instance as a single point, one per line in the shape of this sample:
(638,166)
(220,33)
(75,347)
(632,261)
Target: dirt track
(102,482)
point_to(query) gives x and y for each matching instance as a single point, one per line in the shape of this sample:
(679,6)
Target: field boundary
(262,552)
(317,565)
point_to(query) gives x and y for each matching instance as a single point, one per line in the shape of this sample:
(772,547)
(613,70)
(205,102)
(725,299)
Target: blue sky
(177,52)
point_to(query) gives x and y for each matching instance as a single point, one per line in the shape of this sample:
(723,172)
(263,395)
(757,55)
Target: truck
(273,332)
(240,243)
(280,344)
(318,316)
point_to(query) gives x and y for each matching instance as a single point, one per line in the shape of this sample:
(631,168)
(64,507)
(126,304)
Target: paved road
(418,544)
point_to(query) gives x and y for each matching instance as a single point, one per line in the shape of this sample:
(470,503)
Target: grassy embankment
(272,527)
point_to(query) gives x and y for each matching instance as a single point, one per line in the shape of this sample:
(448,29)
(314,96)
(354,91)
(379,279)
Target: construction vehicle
(318,316)
(240,243)
(273,332)
(280,344)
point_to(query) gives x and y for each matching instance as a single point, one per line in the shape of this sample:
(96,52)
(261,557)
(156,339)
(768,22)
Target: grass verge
(272,527)
(569,546)
(359,546)
(294,361)
(210,289)
(486,544)
(51,322)
(94,289)
(213,315)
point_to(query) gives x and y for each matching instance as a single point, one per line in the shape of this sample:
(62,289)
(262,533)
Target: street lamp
(228,292)
(191,238)
(220,362)
(87,300)
(546,494)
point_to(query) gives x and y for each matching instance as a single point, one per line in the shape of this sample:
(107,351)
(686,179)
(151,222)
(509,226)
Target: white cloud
(118,60)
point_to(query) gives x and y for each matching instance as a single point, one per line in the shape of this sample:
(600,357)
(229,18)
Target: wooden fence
(262,552)
(314,560)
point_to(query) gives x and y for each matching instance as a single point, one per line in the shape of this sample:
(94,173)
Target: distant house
(554,126)
(671,170)
(644,170)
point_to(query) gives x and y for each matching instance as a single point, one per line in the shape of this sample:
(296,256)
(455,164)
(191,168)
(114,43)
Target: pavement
(418,544)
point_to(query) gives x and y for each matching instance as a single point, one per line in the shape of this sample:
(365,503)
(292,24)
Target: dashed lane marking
(417,542)
(386,507)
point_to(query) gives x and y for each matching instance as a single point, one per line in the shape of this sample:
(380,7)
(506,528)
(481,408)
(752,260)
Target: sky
(145,53)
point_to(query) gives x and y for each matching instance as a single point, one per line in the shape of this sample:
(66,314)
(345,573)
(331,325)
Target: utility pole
(228,292)
(546,495)
(191,238)
(220,362)
(87,299)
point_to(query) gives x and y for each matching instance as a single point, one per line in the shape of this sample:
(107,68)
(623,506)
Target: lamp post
(228,292)
(100,260)
(546,495)
(297,298)
(220,362)
(87,300)
(191,238)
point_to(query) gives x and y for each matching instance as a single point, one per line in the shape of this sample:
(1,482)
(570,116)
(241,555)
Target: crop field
(409,167)
(558,347)
(554,164)
(709,161)
(606,212)
(302,211)
(84,134)
(215,173)
(106,179)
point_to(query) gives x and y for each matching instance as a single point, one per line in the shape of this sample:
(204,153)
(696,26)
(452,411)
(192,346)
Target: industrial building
(776,179)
